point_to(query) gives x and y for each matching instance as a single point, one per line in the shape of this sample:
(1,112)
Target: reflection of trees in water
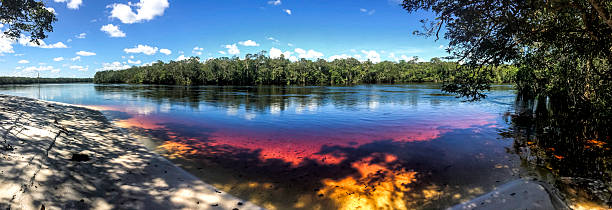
(573,145)
(266,98)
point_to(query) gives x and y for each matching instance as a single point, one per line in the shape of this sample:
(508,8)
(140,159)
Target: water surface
(370,146)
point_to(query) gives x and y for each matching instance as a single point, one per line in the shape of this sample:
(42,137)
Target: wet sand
(518,194)
(59,156)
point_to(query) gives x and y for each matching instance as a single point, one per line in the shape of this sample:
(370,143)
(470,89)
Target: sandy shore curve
(59,156)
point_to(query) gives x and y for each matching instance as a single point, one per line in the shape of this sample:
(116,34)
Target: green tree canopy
(28,17)
(259,69)
(563,47)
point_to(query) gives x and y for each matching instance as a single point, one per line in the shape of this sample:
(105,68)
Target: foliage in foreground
(259,69)
(27,18)
(28,80)
(562,47)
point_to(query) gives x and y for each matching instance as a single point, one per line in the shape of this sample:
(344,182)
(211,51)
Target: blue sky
(93,35)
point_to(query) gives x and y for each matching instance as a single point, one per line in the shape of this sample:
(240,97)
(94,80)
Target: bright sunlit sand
(67,157)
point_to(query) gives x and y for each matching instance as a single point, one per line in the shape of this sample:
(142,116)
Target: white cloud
(145,49)
(134,62)
(276,53)
(197,50)
(56,45)
(81,36)
(26,41)
(79,68)
(368,12)
(77,58)
(50,9)
(165,51)
(288,11)
(372,55)
(334,57)
(300,51)
(275,2)
(308,54)
(58,59)
(41,68)
(249,43)
(222,52)
(112,30)
(413,58)
(273,40)
(23,61)
(232,49)
(182,57)
(113,66)
(289,44)
(147,64)
(392,56)
(72,4)
(85,53)
(145,10)
(6,44)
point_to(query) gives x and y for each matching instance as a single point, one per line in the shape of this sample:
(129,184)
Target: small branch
(603,13)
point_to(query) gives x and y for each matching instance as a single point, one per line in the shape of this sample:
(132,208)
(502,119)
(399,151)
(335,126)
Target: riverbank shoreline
(518,194)
(61,156)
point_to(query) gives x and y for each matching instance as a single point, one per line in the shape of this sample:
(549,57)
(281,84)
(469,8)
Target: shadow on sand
(43,164)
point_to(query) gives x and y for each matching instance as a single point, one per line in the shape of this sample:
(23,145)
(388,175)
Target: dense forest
(28,80)
(260,69)
(563,50)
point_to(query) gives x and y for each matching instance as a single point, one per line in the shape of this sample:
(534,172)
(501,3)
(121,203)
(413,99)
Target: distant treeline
(258,69)
(28,80)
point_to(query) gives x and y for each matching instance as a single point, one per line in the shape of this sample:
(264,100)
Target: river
(367,146)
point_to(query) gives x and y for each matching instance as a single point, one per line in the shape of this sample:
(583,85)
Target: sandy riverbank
(518,194)
(66,157)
